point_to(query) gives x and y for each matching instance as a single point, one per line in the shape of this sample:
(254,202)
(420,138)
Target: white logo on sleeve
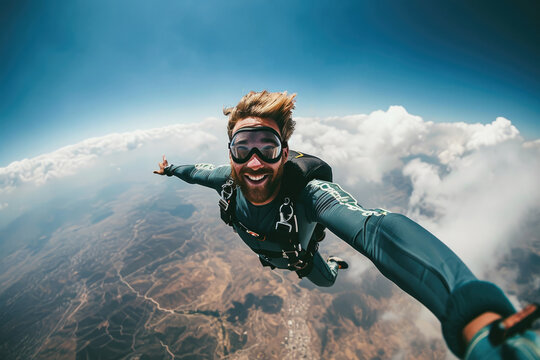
(204,166)
(345,198)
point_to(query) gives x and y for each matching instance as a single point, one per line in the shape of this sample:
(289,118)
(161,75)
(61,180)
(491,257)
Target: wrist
(168,170)
(466,303)
(477,324)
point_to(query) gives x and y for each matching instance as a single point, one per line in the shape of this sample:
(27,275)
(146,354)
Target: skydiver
(279,201)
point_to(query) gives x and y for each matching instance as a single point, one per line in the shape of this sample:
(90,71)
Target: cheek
(278,168)
(234,166)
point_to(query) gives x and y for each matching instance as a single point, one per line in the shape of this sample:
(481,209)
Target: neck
(270,198)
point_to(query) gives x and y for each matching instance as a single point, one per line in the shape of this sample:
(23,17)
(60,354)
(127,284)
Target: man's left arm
(411,257)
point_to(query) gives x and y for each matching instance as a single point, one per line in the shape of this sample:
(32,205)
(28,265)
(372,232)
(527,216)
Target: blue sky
(70,70)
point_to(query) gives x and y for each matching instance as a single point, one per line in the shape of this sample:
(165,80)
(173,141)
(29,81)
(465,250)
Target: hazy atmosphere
(430,111)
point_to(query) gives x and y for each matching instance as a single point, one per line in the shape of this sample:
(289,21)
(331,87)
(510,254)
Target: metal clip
(227,190)
(285,218)
(288,227)
(285,256)
(224,204)
(299,265)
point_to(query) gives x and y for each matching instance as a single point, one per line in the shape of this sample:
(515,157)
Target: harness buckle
(227,190)
(285,217)
(299,265)
(223,204)
(283,226)
(286,256)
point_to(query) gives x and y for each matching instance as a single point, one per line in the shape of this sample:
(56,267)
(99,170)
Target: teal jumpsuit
(402,250)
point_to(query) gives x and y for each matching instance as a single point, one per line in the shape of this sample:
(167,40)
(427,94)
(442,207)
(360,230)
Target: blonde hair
(277,106)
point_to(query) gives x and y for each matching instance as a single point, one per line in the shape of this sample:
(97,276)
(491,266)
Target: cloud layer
(470,184)
(70,159)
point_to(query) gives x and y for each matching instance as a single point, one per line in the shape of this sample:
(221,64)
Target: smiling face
(259,181)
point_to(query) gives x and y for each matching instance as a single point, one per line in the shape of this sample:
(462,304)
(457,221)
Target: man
(280,225)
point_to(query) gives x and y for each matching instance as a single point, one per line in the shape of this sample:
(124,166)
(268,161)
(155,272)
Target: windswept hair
(277,106)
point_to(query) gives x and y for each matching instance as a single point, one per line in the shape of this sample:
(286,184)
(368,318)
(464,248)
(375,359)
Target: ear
(285,152)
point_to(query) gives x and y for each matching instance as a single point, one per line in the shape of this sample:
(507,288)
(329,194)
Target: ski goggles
(263,141)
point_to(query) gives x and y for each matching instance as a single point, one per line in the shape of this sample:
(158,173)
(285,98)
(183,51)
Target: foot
(342,264)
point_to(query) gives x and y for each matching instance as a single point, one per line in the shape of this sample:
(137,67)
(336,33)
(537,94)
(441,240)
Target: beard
(258,194)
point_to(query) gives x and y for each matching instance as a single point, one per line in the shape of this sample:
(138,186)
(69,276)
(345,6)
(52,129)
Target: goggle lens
(263,141)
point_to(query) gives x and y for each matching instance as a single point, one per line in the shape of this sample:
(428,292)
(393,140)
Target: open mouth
(256,179)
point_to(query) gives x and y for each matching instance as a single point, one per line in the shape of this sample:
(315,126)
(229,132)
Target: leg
(323,273)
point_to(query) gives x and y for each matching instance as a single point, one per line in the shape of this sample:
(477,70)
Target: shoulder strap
(227,202)
(300,169)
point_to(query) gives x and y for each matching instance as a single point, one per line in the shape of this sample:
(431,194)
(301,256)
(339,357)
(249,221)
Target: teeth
(255,178)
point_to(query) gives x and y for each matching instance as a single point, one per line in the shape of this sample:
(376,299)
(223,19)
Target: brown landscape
(144,276)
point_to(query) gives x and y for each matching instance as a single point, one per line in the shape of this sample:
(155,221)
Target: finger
(164,160)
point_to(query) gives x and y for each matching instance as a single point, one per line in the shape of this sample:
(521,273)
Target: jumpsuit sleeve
(202,174)
(410,256)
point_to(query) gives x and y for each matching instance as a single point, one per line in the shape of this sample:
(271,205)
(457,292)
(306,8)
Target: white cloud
(532,145)
(71,159)
(370,146)
(453,140)
(3,206)
(476,203)
(470,184)
(355,142)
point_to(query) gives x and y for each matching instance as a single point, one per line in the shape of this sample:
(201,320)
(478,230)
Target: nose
(254,163)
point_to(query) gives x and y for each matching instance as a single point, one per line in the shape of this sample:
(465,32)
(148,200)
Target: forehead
(254,122)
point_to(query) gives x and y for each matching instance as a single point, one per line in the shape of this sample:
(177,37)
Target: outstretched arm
(202,174)
(411,257)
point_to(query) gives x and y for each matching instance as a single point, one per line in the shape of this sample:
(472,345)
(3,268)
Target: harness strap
(277,254)
(285,234)
(257,236)
(227,202)
(264,262)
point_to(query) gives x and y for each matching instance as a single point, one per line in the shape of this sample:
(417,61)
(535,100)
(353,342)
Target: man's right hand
(507,338)
(162,166)
(525,346)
